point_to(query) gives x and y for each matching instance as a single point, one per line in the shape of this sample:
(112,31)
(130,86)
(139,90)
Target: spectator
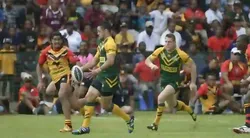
(124,97)
(7,59)
(43,38)
(151,4)
(198,16)
(212,68)
(160,18)
(148,79)
(94,16)
(123,15)
(143,16)
(73,16)
(239,13)
(73,37)
(191,36)
(28,97)
(53,16)
(124,39)
(140,56)
(109,5)
(28,37)
(13,36)
(177,15)
(238,27)
(150,38)
(213,12)
(10,14)
(233,71)
(217,44)
(171,30)
(85,56)
(212,30)
(87,33)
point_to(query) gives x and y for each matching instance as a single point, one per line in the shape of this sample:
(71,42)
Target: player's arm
(190,63)
(92,63)
(224,72)
(202,90)
(39,68)
(149,61)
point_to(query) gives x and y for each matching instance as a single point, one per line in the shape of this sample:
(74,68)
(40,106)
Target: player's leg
(64,93)
(245,128)
(107,104)
(128,110)
(162,97)
(92,94)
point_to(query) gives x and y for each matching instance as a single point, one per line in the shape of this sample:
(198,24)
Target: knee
(62,94)
(129,110)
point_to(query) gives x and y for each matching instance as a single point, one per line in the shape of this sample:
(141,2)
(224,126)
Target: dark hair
(69,24)
(106,25)
(244,37)
(170,36)
(56,34)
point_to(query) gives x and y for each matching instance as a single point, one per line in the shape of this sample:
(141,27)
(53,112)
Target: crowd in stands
(205,29)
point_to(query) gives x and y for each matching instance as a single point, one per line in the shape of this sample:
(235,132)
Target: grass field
(172,126)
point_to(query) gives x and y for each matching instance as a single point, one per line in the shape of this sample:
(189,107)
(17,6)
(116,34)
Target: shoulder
(159,50)
(110,41)
(204,86)
(46,49)
(180,52)
(22,89)
(226,62)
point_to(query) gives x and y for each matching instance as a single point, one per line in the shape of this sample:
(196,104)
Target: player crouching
(58,59)
(213,100)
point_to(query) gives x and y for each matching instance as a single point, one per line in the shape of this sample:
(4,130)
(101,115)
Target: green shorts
(175,85)
(107,86)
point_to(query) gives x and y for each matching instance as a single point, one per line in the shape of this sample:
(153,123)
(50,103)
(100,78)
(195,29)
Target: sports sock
(159,112)
(68,123)
(89,110)
(119,112)
(183,107)
(247,110)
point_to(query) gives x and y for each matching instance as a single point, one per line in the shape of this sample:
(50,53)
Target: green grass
(172,126)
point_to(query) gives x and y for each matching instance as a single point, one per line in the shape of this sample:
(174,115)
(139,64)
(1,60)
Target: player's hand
(193,87)
(94,72)
(154,67)
(40,86)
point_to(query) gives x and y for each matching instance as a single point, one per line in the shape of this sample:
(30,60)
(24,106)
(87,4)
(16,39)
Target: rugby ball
(77,74)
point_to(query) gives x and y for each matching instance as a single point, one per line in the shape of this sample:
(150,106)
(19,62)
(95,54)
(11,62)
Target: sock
(68,123)
(119,112)
(159,112)
(183,107)
(89,110)
(82,111)
(247,110)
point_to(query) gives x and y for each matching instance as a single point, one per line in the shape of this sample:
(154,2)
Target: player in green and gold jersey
(171,61)
(106,81)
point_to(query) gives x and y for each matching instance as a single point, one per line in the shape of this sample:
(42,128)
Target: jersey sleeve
(43,57)
(110,47)
(72,57)
(184,56)
(202,90)
(156,53)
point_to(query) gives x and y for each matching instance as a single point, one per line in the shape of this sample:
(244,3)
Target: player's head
(56,40)
(242,42)
(170,42)
(104,30)
(211,79)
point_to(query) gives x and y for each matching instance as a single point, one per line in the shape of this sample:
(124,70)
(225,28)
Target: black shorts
(64,79)
(22,108)
(86,82)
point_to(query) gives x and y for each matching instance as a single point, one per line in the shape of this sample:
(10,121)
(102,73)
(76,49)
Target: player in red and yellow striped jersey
(58,59)
(242,44)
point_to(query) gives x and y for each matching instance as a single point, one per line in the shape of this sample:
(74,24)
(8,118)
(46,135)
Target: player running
(58,59)
(171,60)
(106,81)
(242,43)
